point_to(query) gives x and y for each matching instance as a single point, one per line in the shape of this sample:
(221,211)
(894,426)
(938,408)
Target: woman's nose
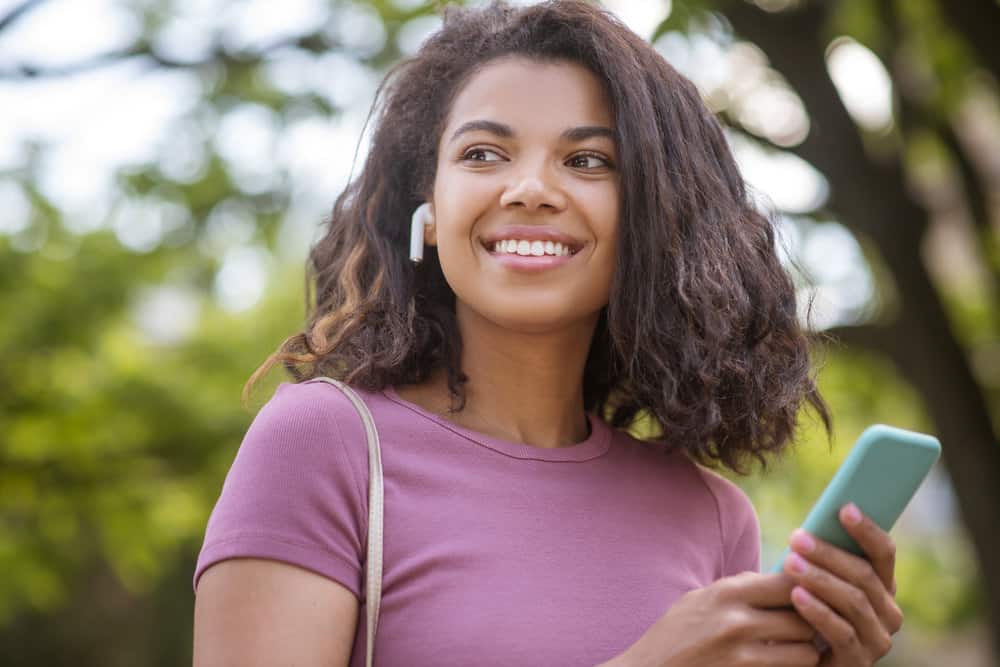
(533,191)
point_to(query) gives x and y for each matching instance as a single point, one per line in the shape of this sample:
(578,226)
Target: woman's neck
(522,387)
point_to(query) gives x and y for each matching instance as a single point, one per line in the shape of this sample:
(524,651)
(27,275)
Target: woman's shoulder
(723,511)
(297,488)
(679,462)
(726,491)
(304,420)
(739,526)
(311,396)
(309,404)
(680,470)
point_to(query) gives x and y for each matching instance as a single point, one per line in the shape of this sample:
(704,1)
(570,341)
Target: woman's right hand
(739,621)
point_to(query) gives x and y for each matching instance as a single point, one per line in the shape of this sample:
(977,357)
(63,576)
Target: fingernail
(802,542)
(796,563)
(801,595)
(852,515)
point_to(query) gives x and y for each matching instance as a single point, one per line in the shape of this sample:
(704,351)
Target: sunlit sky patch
(242,278)
(642,16)
(166,314)
(413,34)
(789,183)
(254,24)
(862,82)
(51,34)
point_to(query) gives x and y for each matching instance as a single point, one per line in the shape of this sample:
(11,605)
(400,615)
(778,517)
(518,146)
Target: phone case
(880,475)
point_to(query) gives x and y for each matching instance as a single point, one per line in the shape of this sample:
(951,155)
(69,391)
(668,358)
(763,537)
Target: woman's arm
(261,612)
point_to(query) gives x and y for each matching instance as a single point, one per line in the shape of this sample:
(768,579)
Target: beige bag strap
(373,570)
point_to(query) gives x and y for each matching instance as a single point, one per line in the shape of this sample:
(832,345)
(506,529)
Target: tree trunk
(872,199)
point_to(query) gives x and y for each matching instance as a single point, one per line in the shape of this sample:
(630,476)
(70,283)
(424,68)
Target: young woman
(592,263)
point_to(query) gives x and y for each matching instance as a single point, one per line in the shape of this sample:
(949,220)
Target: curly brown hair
(700,337)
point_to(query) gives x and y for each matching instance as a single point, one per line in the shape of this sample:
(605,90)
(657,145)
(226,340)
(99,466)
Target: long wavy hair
(700,341)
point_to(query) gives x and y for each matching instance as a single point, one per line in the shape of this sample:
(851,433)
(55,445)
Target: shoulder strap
(373,569)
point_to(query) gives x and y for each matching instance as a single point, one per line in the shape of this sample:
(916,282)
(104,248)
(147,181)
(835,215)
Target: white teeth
(532,248)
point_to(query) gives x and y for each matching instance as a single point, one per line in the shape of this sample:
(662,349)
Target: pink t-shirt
(495,552)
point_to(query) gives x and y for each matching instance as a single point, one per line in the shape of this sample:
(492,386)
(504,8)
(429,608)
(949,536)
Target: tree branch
(314,43)
(11,17)
(834,144)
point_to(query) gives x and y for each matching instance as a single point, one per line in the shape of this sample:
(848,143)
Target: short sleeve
(738,525)
(296,489)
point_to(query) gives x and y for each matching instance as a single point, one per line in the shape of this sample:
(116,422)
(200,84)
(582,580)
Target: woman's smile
(531,247)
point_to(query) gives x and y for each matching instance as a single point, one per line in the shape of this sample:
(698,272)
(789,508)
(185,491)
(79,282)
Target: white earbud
(421,218)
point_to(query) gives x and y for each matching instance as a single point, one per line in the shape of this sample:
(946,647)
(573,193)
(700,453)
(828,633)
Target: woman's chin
(538,319)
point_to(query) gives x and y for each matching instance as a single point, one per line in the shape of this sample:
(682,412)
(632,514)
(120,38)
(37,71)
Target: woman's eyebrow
(588,131)
(490,126)
(506,131)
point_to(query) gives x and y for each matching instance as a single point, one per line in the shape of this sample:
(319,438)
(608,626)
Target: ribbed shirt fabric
(495,552)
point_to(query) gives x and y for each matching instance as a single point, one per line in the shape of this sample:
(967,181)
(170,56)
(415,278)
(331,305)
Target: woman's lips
(531,234)
(531,247)
(529,263)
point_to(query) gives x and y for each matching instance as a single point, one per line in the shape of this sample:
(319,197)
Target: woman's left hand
(850,601)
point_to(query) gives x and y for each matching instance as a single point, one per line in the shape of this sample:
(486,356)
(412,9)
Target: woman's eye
(586,161)
(481,155)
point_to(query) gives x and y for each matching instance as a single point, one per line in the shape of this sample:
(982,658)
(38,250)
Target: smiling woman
(592,262)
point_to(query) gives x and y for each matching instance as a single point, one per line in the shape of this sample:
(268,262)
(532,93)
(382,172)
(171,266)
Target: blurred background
(165,164)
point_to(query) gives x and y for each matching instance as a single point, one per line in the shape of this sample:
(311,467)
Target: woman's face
(526,195)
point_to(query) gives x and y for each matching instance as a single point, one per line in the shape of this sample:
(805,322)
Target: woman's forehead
(531,96)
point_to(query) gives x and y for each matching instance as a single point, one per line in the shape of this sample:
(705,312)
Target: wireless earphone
(421,217)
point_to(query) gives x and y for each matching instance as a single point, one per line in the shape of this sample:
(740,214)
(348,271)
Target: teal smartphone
(880,475)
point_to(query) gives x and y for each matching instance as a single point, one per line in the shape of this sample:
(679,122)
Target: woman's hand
(847,599)
(738,621)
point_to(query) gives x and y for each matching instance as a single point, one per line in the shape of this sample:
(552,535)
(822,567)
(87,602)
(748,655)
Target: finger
(879,547)
(838,634)
(784,654)
(854,570)
(756,590)
(784,625)
(850,603)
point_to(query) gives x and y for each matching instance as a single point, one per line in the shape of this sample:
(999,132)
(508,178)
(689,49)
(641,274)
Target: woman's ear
(430,226)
